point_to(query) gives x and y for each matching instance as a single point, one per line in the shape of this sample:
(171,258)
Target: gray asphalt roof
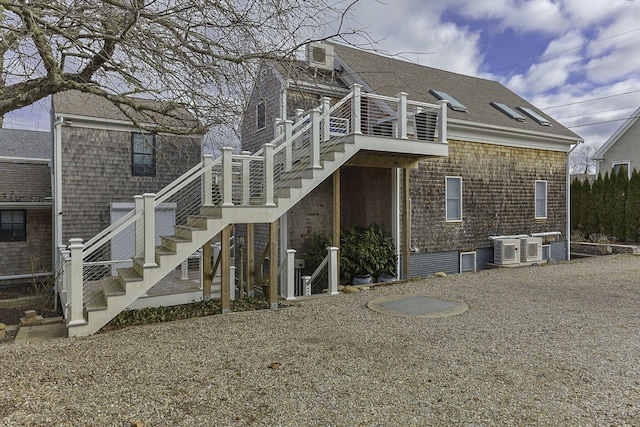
(389,76)
(25,144)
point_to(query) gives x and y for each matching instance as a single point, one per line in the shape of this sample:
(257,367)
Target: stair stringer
(166,262)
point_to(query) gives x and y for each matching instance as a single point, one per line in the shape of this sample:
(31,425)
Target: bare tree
(193,54)
(581,160)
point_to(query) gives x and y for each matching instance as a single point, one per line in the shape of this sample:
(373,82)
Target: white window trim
(546,199)
(446,198)
(475,261)
(258,115)
(626,163)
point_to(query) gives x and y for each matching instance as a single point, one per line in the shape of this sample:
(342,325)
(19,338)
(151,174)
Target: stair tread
(98,302)
(129,274)
(112,286)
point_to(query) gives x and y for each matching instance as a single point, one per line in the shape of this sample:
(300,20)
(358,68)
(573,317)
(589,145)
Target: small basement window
(453,103)
(467,262)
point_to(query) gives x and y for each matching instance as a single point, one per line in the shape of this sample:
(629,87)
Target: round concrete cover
(415,305)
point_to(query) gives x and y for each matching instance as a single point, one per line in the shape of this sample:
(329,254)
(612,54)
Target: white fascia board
(319,88)
(100,123)
(24,160)
(600,152)
(488,134)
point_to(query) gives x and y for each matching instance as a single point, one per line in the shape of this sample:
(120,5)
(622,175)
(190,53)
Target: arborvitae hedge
(610,206)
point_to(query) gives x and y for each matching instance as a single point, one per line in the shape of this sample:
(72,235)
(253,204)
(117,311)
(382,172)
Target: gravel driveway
(545,346)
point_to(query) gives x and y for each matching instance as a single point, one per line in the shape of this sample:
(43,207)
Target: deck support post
(251,260)
(207,270)
(273,265)
(406,229)
(75,295)
(336,212)
(225,267)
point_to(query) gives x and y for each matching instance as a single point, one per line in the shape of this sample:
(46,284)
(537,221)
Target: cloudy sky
(577,60)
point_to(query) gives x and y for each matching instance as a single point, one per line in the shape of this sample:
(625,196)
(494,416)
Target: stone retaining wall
(601,248)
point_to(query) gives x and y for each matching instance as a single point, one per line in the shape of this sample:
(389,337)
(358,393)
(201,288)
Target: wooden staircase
(113,294)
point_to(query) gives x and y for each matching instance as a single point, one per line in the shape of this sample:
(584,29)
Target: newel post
(326,120)
(315,140)
(138,201)
(356,115)
(76,316)
(290,290)
(149,230)
(402,115)
(268,175)
(207,180)
(288,149)
(442,133)
(333,270)
(227,174)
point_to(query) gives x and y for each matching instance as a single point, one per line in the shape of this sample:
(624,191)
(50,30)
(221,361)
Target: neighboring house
(505,172)
(25,206)
(621,149)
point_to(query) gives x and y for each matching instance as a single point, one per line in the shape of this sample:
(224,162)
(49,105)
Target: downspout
(568,202)
(57,187)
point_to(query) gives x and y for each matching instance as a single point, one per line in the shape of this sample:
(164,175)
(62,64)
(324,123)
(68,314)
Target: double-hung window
(541,199)
(13,226)
(143,154)
(617,166)
(454,198)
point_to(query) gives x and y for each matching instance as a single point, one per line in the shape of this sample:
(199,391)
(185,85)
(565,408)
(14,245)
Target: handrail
(315,274)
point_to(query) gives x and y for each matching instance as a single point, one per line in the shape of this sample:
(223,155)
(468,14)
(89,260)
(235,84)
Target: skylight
(508,111)
(535,116)
(453,103)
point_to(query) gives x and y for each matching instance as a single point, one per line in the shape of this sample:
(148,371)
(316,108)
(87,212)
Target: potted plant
(366,253)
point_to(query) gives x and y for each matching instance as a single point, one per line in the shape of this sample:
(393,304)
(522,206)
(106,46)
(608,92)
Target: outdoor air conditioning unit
(505,251)
(320,55)
(531,249)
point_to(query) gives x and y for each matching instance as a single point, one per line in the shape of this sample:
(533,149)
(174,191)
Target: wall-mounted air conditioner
(531,249)
(505,251)
(320,55)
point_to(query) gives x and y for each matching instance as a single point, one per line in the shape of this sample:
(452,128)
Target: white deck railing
(241,180)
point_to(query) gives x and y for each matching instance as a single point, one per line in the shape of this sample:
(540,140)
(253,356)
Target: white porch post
(76,316)
(326,121)
(227,197)
(333,270)
(246,177)
(442,132)
(288,162)
(290,290)
(268,175)
(138,201)
(149,230)
(315,140)
(356,115)
(207,180)
(402,115)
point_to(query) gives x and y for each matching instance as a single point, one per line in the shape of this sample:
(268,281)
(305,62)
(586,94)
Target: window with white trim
(261,116)
(616,166)
(541,199)
(453,198)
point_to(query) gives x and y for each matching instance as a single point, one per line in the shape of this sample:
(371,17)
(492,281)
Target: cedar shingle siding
(96,170)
